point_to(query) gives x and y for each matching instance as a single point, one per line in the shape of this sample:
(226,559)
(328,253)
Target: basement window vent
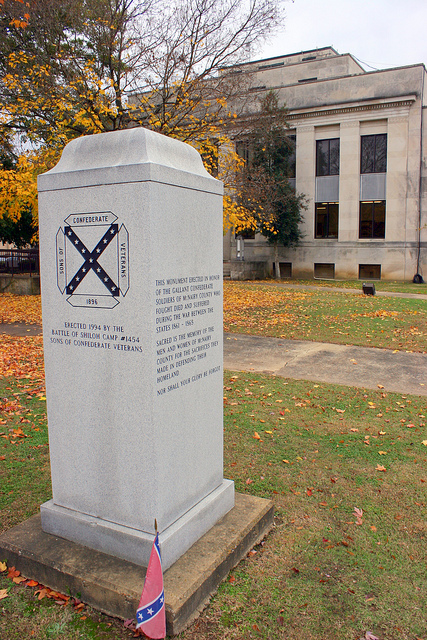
(324,270)
(307,80)
(262,86)
(369,272)
(273,65)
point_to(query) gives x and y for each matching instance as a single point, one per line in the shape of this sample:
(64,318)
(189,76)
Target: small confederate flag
(150,615)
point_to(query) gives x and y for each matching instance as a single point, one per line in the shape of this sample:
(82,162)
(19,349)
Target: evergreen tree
(264,189)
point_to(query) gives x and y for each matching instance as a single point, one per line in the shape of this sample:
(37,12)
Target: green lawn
(395,286)
(347,471)
(325,316)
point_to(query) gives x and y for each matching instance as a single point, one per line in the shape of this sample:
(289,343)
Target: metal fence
(16,261)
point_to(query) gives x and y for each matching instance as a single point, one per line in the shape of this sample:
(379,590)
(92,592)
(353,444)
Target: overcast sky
(379,33)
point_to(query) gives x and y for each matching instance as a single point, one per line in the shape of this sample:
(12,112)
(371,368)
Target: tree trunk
(276,262)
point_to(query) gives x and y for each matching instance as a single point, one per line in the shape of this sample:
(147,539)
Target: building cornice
(300,114)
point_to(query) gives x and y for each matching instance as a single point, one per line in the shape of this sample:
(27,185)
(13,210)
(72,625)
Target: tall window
(326,223)
(328,157)
(242,150)
(292,156)
(372,219)
(373,153)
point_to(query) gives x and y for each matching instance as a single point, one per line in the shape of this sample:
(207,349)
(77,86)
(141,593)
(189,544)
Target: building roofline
(298,53)
(285,55)
(335,78)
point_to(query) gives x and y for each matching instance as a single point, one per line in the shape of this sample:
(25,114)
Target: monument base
(133,545)
(114,586)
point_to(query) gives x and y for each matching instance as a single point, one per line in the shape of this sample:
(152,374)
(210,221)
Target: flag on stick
(150,615)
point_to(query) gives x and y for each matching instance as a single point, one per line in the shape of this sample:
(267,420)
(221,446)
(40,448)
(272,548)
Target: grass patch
(325,316)
(394,286)
(316,450)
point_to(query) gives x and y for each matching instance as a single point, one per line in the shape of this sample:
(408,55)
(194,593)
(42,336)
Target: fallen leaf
(382,453)
(18,579)
(424,442)
(380,467)
(358,513)
(32,583)
(13,573)
(380,386)
(256,436)
(370,636)
(3,567)
(3,593)
(128,624)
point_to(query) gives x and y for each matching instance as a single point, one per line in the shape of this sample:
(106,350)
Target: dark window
(292,157)
(285,269)
(369,272)
(373,153)
(326,219)
(246,234)
(372,219)
(324,270)
(272,65)
(285,154)
(242,149)
(328,157)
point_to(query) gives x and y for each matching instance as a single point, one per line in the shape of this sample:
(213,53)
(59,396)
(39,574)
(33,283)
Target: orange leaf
(13,573)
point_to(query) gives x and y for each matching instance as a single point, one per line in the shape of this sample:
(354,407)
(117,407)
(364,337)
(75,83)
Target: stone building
(361,148)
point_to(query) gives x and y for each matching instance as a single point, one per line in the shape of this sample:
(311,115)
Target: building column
(305,174)
(348,226)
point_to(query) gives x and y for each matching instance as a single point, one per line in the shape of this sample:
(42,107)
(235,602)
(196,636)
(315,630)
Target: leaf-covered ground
(325,316)
(346,469)
(15,308)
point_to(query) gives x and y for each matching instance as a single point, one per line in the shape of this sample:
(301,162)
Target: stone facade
(367,212)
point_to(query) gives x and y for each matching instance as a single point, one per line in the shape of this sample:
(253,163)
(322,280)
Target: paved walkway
(363,367)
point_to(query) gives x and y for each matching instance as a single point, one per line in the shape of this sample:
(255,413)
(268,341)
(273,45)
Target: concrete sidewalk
(363,367)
